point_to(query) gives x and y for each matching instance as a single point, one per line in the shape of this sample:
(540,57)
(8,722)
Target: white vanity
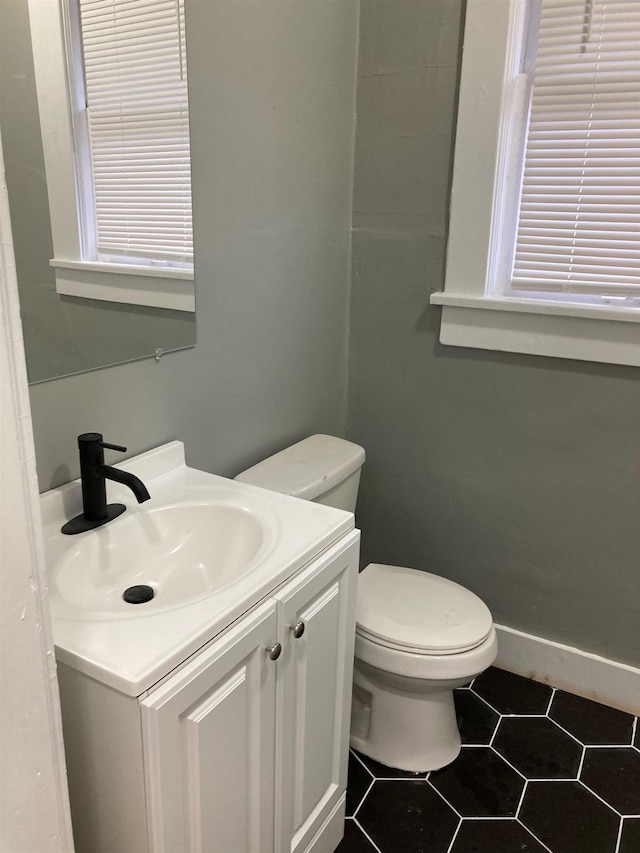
(214,717)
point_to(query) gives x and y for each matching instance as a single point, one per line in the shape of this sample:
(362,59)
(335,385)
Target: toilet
(418,635)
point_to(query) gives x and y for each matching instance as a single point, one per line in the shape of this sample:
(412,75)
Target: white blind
(137,115)
(579,222)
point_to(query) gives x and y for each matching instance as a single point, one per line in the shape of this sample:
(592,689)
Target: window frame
(476,309)
(52,25)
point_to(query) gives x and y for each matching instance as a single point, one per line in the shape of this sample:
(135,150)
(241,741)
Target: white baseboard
(585,674)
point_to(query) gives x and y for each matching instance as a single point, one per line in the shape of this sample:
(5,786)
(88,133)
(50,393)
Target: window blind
(137,118)
(579,221)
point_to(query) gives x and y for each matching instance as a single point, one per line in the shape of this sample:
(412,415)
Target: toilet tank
(321,468)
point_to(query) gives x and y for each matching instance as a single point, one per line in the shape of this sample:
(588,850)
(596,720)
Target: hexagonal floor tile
(568,818)
(590,722)
(538,748)
(614,774)
(489,836)
(636,739)
(476,720)
(512,694)
(354,841)
(479,784)
(630,839)
(358,783)
(407,815)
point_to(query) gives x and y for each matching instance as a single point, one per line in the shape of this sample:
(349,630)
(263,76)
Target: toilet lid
(420,612)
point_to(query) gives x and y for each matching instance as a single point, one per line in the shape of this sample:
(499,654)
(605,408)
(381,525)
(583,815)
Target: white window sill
(584,332)
(159,287)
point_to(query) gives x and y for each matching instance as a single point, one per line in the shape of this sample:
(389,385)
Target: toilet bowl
(418,635)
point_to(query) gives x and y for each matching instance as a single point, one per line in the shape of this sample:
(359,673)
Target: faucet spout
(93,475)
(135,483)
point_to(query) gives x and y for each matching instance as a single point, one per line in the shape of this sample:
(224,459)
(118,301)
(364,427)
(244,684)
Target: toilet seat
(419,613)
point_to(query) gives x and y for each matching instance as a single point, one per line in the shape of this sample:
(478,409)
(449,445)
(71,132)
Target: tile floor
(540,771)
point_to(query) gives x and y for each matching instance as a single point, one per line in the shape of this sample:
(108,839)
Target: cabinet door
(209,746)
(314,693)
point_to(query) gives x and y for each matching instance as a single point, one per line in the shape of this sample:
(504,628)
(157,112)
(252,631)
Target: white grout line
(495,731)
(619,837)
(357,757)
(445,800)
(562,729)
(553,693)
(524,791)
(455,835)
(507,762)
(533,835)
(366,835)
(598,797)
(582,757)
(363,798)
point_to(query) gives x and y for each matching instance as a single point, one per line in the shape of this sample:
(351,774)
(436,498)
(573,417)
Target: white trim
(164,287)
(139,289)
(586,333)
(160,287)
(583,673)
(45,821)
(494,91)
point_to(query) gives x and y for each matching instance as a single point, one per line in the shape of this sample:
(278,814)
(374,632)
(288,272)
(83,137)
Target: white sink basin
(210,549)
(182,552)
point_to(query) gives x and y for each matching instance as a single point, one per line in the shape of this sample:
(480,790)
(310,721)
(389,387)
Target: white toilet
(418,636)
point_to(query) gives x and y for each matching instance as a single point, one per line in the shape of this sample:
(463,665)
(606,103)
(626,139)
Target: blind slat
(137,116)
(579,221)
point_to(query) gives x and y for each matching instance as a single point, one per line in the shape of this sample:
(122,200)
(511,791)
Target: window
(545,212)
(112,91)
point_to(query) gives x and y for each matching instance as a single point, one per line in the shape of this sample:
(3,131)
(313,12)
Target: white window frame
(476,312)
(153,284)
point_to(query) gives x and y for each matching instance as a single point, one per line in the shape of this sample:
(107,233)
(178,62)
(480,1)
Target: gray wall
(514,475)
(272,89)
(62,334)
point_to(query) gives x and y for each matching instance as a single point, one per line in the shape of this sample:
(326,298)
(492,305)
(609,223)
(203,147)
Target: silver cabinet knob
(298,629)
(274,651)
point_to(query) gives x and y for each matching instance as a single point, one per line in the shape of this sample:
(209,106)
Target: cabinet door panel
(314,694)
(210,746)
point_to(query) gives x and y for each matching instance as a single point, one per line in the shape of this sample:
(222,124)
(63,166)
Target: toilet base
(415,731)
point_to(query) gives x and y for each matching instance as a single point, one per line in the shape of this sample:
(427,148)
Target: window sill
(158,287)
(588,333)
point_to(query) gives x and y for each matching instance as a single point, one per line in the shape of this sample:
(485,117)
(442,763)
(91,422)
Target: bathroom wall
(514,475)
(272,89)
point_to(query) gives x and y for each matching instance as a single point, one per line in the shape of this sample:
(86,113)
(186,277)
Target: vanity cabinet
(243,748)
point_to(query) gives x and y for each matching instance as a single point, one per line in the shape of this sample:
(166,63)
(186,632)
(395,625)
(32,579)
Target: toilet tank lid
(307,469)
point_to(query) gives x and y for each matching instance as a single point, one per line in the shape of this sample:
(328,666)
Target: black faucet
(93,475)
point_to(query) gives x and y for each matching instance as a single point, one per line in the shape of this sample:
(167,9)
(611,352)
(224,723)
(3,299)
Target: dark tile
(630,840)
(490,836)
(408,816)
(538,748)
(568,818)
(354,841)
(614,774)
(512,694)
(591,722)
(636,739)
(358,782)
(381,771)
(476,720)
(479,784)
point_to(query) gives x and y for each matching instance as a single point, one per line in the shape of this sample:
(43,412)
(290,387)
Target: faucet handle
(113,447)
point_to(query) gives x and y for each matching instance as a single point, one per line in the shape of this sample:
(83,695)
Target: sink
(209,548)
(182,551)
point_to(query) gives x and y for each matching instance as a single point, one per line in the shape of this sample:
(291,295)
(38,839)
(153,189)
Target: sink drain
(138,594)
